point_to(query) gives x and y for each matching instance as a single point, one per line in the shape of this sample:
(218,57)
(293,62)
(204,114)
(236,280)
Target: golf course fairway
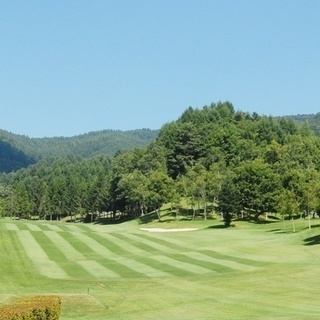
(249,271)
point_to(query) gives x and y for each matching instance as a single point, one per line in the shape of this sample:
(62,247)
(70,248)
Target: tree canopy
(241,164)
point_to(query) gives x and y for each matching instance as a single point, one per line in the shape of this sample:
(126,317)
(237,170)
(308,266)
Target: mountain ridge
(87,145)
(18,151)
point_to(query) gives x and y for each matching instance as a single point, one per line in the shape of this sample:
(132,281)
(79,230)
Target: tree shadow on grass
(261,221)
(106,221)
(277,231)
(311,241)
(221,226)
(315,226)
(147,218)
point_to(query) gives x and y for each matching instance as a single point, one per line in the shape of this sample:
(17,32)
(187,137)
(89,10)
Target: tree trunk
(158,214)
(293,225)
(205,211)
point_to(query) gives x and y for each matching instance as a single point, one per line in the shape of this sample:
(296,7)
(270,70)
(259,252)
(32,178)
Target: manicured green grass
(251,270)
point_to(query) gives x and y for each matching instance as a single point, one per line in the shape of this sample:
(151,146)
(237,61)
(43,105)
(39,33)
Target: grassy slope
(121,272)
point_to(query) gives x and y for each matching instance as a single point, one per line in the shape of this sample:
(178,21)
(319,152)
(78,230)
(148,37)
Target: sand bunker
(168,230)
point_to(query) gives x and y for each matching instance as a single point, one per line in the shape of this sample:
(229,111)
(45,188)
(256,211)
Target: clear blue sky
(70,67)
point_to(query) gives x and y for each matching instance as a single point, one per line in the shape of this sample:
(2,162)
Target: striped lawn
(121,272)
(67,251)
(37,254)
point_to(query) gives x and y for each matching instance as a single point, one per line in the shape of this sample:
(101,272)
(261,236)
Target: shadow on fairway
(274,230)
(261,221)
(105,221)
(221,226)
(311,241)
(166,217)
(277,231)
(315,226)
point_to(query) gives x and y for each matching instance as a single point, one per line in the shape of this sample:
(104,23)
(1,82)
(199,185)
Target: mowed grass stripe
(210,265)
(143,256)
(74,228)
(90,264)
(16,267)
(146,245)
(124,245)
(97,270)
(227,263)
(130,263)
(243,261)
(53,227)
(33,227)
(51,249)
(55,254)
(166,239)
(38,256)
(127,262)
(109,245)
(84,248)
(169,268)
(151,242)
(64,246)
(142,267)
(94,245)
(11,227)
(171,242)
(76,264)
(190,267)
(81,266)
(120,269)
(90,254)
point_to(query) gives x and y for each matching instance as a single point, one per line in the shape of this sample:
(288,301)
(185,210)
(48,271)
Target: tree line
(211,159)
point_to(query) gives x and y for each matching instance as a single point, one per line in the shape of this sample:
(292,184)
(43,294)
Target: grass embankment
(122,272)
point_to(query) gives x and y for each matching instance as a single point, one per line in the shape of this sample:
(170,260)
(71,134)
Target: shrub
(33,308)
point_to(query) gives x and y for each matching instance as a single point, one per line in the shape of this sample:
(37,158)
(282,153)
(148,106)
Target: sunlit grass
(251,270)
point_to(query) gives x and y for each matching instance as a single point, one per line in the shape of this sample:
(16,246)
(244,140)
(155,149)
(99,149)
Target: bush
(33,308)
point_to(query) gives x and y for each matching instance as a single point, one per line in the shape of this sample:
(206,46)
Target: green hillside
(12,159)
(18,151)
(213,159)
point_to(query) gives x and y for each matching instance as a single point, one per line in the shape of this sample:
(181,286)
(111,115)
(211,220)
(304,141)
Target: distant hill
(18,151)
(311,120)
(12,159)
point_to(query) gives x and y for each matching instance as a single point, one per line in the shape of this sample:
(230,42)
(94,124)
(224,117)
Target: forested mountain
(214,158)
(311,120)
(18,151)
(12,159)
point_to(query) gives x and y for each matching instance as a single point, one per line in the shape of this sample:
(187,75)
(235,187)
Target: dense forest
(212,160)
(19,151)
(312,120)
